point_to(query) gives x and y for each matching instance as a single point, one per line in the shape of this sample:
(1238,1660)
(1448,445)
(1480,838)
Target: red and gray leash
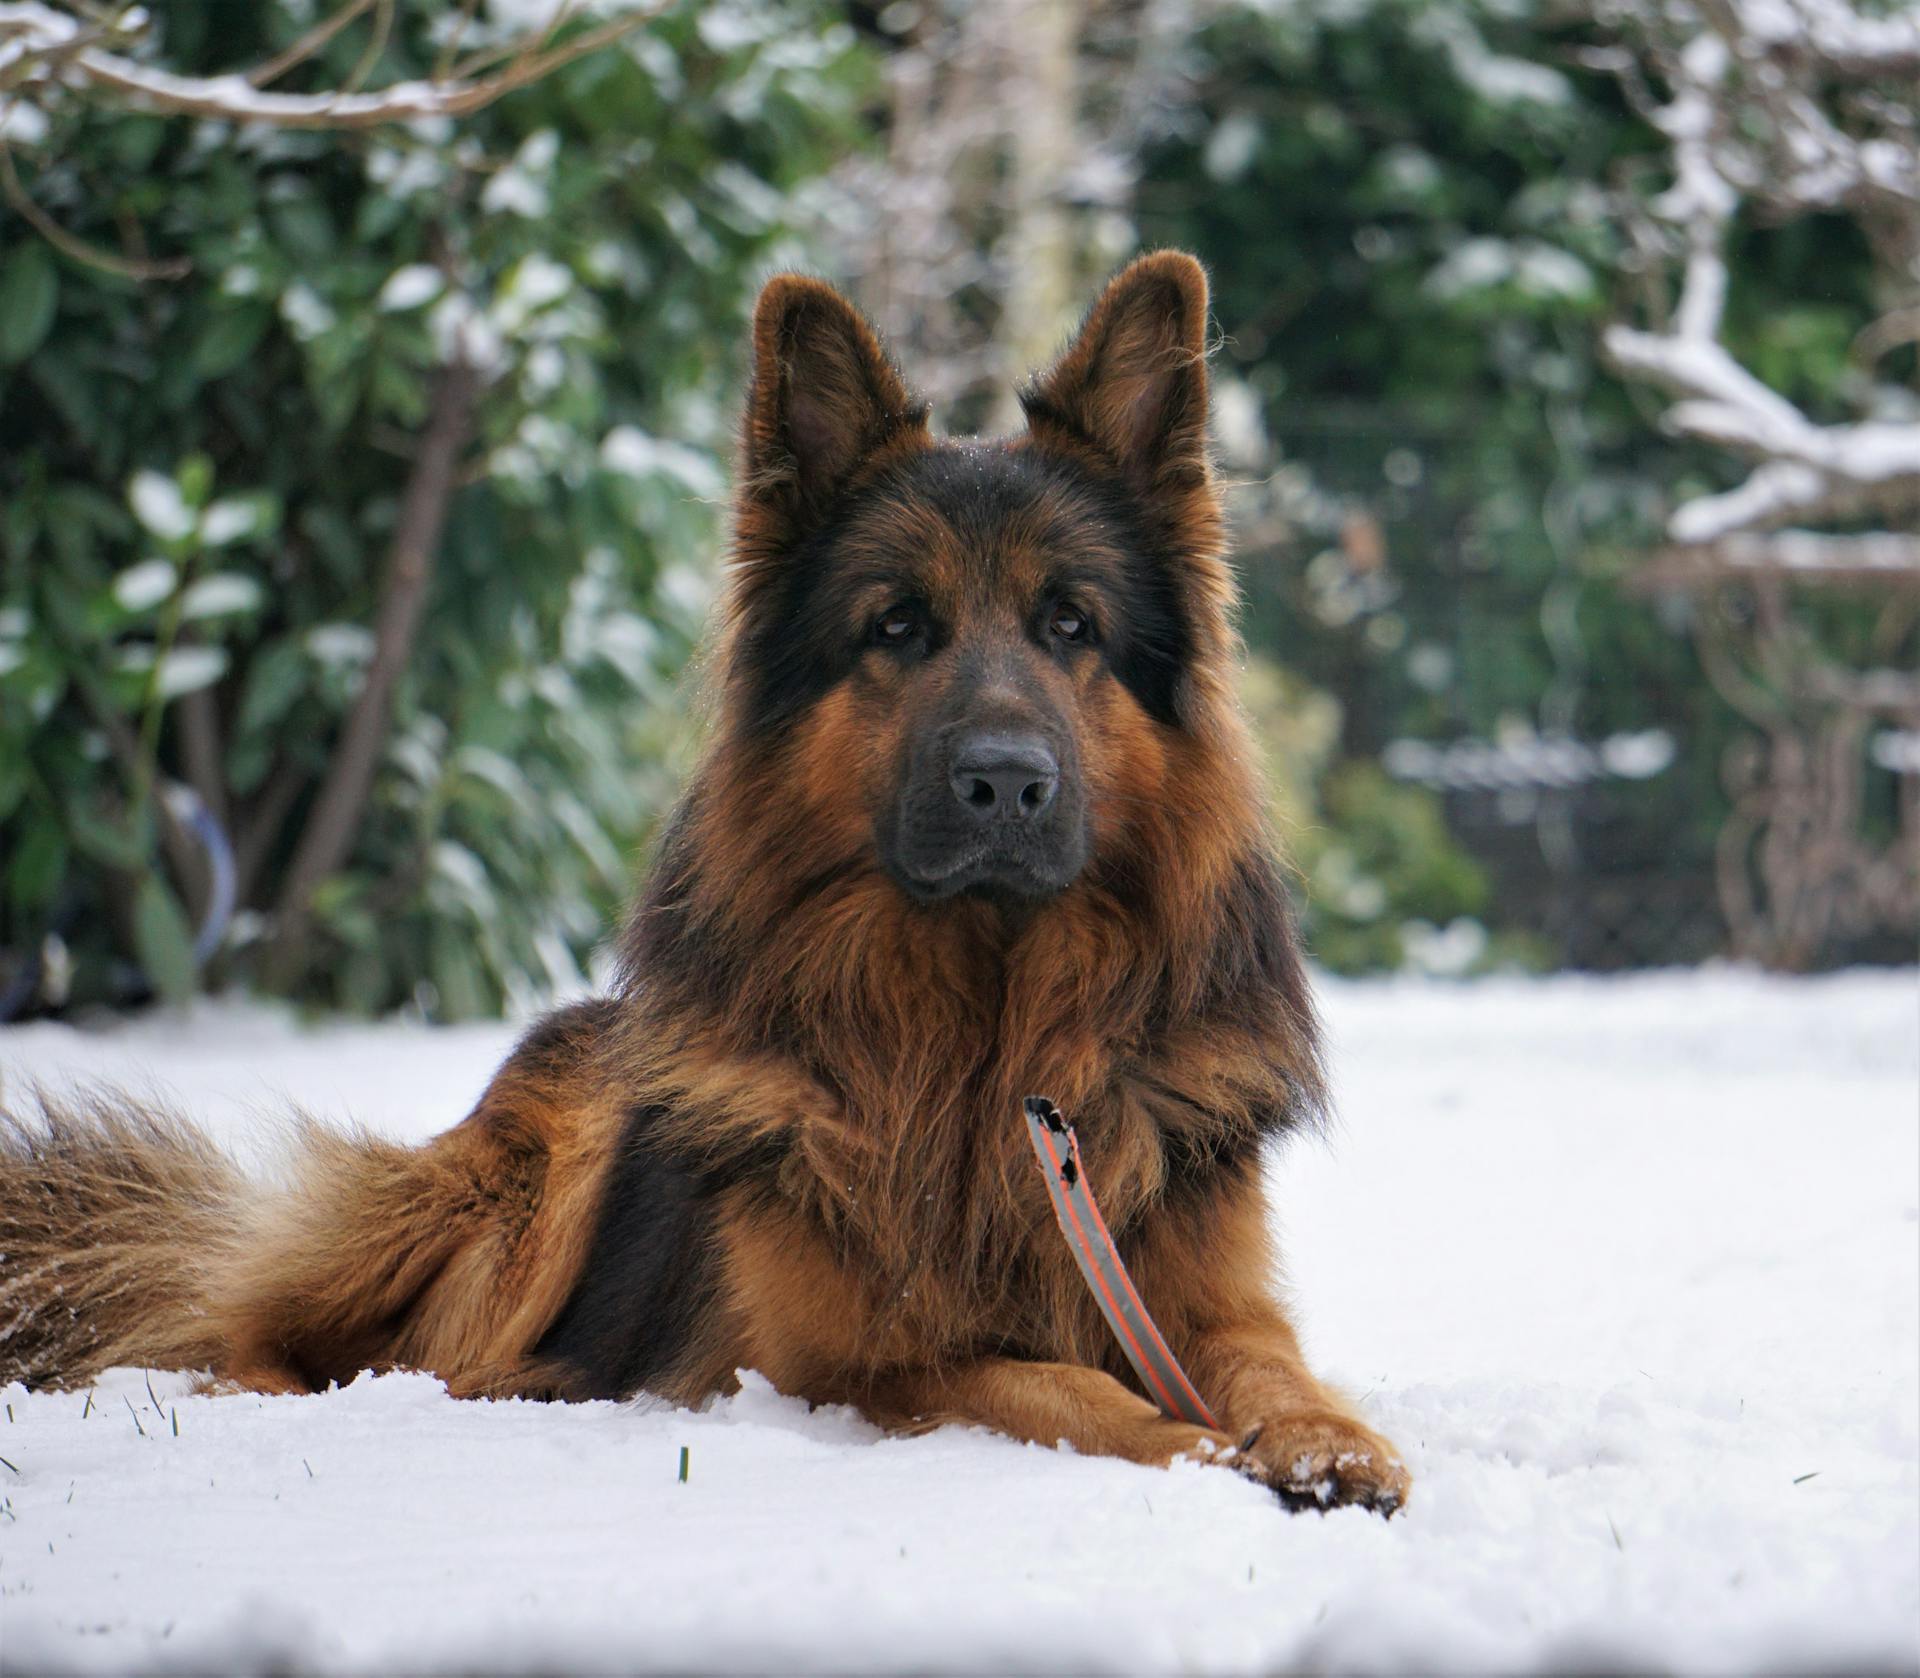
(1058,1151)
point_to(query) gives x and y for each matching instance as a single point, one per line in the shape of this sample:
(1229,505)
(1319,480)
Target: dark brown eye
(893,628)
(1069,623)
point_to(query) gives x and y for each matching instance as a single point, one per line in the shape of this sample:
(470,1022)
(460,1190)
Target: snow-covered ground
(1631,1269)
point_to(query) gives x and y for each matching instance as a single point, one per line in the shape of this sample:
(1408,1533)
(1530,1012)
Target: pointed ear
(823,399)
(1134,381)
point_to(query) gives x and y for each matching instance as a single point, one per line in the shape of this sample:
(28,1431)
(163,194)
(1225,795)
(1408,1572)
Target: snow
(222,594)
(462,333)
(1493,76)
(532,285)
(21,125)
(520,188)
(230,521)
(1232,146)
(305,311)
(1897,749)
(145,585)
(1520,758)
(182,669)
(1539,270)
(340,643)
(635,454)
(1629,1268)
(411,286)
(158,504)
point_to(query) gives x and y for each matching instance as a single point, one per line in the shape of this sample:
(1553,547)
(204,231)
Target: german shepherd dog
(978,819)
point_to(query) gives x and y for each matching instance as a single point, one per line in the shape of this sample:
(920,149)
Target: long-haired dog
(979,818)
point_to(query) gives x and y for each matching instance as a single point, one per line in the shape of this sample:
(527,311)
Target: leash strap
(1058,1150)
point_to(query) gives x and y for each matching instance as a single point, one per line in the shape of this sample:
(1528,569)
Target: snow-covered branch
(1787,108)
(1805,470)
(44,47)
(1837,35)
(1877,559)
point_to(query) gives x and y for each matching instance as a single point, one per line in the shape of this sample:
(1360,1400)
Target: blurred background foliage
(1444,487)
(202,476)
(1411,215)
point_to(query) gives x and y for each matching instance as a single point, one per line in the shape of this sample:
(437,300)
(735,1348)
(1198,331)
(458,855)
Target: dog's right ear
(823,401)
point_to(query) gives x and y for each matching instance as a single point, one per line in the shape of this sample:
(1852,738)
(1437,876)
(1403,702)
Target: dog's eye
(1069,623)
(896,627)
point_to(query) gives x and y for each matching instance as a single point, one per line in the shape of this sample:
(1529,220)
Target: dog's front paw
(1320,1459)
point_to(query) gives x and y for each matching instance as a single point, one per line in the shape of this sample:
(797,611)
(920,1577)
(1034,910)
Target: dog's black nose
(1004,776)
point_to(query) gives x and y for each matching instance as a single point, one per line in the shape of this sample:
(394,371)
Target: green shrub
(200,481)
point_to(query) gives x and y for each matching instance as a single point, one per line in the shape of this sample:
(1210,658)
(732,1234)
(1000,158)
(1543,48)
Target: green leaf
(31,681)
(29,292)
(78,400)
(275,679)
(339,905)
(134,140)
(229,338)
(457,975)
(336,398)
(305,229)
(39,864)
(106,843)
(195,474)
(163,940)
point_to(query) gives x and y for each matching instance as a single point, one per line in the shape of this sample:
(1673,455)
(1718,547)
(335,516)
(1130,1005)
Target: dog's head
(967,663)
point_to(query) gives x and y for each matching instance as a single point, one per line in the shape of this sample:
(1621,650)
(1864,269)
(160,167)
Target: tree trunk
(327,840)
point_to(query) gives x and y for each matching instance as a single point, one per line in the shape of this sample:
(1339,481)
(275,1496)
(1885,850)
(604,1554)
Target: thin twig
(450,48)
(70,244)
(376,45)
(308,44)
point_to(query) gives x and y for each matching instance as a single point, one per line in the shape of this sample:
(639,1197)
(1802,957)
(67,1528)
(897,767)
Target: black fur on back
(648,1275)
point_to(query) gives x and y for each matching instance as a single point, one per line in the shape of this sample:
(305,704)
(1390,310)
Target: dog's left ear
(1133,383)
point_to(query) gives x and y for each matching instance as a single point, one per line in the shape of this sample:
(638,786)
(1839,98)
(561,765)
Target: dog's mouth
(986,870)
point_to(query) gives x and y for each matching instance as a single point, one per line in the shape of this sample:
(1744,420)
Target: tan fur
(126,1238)
(111,1218)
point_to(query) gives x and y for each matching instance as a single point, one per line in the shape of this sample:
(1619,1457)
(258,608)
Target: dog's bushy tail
(115,1219)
